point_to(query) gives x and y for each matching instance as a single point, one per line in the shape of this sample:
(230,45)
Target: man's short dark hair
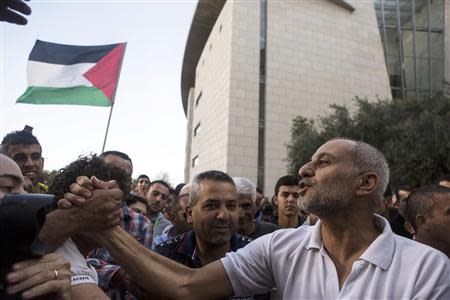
(19,137)
(267,208)
(161,182)
(143,176)
(132,198)
(116,153)
(88,166)
(213,175)
(288,180)
(421,201)
(179,187)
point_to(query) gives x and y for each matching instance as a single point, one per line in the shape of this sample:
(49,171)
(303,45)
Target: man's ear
(275,200)
(366,183)
(189,214)
(421,221)
(409,228)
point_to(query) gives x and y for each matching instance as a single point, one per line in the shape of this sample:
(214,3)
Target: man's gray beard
(327,201)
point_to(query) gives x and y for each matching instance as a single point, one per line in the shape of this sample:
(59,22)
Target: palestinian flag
(77,75)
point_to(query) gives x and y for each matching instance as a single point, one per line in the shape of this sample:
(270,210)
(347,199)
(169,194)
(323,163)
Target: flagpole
(113,99)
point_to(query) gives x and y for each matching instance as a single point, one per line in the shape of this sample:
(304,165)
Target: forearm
(87,291)
(58,227)
(148,269)
(145,267)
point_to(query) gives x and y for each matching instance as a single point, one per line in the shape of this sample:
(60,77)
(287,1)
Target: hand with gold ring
(48,276)
(56,274)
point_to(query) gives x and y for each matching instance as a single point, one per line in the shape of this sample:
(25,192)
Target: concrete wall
(244,91)
(318,54)
(212,112)
(190,117)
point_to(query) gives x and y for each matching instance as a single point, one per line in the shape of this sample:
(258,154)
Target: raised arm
(149,269)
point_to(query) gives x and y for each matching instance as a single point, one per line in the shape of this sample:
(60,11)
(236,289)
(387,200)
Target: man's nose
(28,162)
(223,213)
(306,170)
(241,212)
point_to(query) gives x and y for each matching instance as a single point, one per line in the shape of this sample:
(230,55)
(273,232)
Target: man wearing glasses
(157,197)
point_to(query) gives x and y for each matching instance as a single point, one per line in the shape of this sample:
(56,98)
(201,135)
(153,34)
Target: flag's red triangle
(105,73)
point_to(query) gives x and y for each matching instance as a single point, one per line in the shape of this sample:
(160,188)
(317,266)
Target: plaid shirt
(140,228)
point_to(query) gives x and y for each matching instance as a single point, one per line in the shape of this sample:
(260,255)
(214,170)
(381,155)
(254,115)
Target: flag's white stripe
(57,76)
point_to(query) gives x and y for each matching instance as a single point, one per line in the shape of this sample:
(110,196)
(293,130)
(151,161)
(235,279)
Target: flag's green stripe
(77,95)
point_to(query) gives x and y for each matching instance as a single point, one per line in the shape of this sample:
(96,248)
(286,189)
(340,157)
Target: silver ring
(56,274)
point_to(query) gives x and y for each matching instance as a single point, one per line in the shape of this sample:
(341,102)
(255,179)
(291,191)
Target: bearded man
(350,253)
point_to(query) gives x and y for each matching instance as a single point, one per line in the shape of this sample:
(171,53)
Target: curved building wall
(244,91)
(318,54)
(210,100)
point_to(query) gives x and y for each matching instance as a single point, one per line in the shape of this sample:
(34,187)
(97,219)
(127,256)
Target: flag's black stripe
(68,54)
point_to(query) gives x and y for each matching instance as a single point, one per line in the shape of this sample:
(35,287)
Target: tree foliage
(413,134)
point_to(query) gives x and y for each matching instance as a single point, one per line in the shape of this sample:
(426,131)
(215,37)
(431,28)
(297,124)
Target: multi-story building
(251,67)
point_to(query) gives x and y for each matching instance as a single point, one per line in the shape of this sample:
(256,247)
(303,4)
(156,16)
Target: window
(195,161)
(220,28)
(197,129)
(412,37)
(198,99)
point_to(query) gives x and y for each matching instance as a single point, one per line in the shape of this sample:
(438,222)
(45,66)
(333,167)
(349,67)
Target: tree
(413,134)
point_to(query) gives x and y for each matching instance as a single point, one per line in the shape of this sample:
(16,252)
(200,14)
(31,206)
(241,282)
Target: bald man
(11,179)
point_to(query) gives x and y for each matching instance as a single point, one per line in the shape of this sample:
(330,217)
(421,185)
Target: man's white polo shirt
(295,262)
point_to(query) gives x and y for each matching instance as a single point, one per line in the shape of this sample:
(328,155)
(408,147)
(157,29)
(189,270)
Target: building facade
(251,67)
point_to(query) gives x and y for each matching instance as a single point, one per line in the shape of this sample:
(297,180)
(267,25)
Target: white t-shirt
(295,262)
(80,271)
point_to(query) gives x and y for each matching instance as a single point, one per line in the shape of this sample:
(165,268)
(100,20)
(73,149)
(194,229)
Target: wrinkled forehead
(8,167)
(338,148)
(160,188)
(245,198)
(185,190)
(217,187)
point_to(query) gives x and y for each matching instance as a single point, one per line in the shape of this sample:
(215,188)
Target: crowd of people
(334,231)
(324,234)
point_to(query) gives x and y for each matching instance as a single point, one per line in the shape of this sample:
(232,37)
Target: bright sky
(148,121)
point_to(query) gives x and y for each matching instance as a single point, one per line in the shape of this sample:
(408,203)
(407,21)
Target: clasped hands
(96,204)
